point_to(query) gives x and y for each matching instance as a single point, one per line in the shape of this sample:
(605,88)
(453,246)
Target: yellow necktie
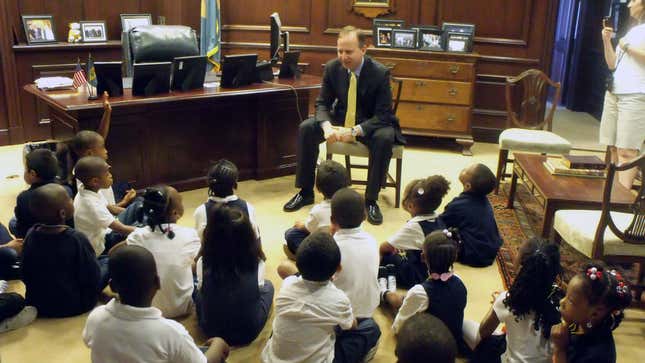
(350,116)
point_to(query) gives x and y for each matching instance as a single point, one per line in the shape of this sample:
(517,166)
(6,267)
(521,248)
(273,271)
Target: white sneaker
(391,278)
(3,286)
(23,318)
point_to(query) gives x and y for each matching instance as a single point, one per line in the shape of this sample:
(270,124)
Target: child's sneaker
(23,318)
(391,278)
(382,281)
(3,286)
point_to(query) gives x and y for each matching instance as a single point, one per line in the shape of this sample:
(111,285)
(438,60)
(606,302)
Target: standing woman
(623,120)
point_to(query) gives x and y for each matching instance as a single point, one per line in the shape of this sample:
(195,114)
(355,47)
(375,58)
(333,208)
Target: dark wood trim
(307,47)
(332,31)
(489,112)
(65,46)
(501,41)
(264,28)
(500,59)
(486,134)
(10,87)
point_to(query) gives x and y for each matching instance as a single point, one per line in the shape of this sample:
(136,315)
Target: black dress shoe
(374,215)
(298,201)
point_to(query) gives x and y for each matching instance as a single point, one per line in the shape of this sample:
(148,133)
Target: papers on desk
(52,83)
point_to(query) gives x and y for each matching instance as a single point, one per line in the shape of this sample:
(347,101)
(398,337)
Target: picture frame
(384,37)
(404,38)
(93,31)
(459,42)
(458,28)
(129,21)
(39,29)
(384,23)
(430,38)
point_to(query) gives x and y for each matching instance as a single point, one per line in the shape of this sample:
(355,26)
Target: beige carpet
(59,340)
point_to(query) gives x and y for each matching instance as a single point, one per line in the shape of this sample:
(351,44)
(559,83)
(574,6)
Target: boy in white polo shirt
(91,214)
(129,330)
(309,308)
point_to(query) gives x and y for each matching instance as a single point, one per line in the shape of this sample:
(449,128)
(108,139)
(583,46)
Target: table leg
(511,193)
(547,224)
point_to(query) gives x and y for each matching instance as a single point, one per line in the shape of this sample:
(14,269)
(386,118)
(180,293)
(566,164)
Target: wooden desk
(172,138)
(556,192)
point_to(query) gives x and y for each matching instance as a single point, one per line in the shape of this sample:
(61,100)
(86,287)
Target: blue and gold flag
(91,72)
(211,33)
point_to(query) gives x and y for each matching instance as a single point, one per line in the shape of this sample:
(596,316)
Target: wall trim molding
(263,28)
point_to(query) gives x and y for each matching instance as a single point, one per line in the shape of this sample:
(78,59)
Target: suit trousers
(310,135)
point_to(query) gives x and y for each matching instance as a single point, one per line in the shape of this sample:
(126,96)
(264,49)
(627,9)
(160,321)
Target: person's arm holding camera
(610,53)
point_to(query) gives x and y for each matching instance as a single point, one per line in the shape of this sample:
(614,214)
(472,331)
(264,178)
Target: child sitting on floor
(41,167)
(592,308)
(60,271)
(330,177)
(402,251)
(222,182)
(472,214)
(442,294)
(174,248)
(234,300)
(528,310)
(310,308)
(128,329)
(424,338)
(91,213)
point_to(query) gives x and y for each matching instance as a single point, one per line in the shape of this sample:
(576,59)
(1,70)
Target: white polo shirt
(118,333)
(200,214)
(319,216)
(306,313)
(359,276)
(411,236)
(630,72)
(92,217)
(108,193)
(174,258)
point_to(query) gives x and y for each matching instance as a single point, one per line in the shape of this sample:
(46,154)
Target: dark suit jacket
(373,99)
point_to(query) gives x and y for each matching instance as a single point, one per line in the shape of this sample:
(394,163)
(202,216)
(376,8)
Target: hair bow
(447,233)
(420,191)
(443,277)
(593,273)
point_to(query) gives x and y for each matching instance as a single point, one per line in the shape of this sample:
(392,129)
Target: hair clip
(622,289)
(447,233)
(617,275)
(443,277)
(593,273)
(420,191)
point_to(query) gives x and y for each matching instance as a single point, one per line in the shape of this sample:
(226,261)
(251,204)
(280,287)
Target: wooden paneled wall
(512,35)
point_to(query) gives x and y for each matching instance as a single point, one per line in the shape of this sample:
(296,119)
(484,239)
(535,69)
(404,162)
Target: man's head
(93,172)
(318,257)
(330,177)
(50,204)
(351,47)
(41,166)
(133,275)
(347,209)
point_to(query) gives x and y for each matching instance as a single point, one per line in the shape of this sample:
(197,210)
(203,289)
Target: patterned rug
(523,222)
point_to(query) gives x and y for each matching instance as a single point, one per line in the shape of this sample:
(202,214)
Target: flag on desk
(210,33)
(91,72)
(79,75)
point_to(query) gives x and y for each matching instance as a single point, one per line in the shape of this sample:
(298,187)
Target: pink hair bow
(443,277)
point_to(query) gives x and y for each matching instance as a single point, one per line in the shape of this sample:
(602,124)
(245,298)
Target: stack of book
(576,165)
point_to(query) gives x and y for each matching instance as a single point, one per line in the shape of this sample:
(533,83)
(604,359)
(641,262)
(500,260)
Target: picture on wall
(93,31)
(404,38)
(129,21)
(39,28)
(384,37)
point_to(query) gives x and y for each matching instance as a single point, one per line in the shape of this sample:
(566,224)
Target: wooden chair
(358,149)
(529,131)
(607,234)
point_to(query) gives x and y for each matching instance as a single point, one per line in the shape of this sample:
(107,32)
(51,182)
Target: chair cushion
(538,141)
(359,149)
(578,228)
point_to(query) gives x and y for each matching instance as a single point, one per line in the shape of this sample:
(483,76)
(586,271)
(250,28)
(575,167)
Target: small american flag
(79,75)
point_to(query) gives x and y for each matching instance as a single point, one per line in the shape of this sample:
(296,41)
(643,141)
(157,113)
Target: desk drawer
(429,69)
(425,90)
(422,116)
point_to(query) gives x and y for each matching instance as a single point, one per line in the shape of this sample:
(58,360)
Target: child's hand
(16,245)
(129,196)
(494,296)
(299,225)
(560,336)
(106,103)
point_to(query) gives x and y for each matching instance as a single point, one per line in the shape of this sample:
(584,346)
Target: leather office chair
(530,132)
(358,149)
(157,43)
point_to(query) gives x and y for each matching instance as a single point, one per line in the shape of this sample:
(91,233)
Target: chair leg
(328,156)
(501,168)
(348,166)
(557,238)
(397,192)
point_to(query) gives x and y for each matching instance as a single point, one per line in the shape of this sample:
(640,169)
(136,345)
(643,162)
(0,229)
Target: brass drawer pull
(454,69)
(452,92)
(451,118)
(420,108)
(419,84)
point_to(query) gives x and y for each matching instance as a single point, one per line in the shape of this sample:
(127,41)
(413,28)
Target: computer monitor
(289,66)
(188,72)
(277,35)
(109,78)
(238,70)
(151,78)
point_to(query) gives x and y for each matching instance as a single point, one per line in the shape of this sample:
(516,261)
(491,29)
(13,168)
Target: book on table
(556,166)
(583,162)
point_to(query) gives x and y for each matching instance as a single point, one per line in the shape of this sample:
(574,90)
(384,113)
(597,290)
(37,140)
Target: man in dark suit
(371,119)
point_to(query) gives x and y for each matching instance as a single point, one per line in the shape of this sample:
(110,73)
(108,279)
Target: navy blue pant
(10,304)
(8,257)
(352,345)
(294,237)
(105,272)
(409,271)
(131,216)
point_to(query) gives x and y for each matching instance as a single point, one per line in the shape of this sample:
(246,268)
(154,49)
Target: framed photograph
(459,42)
(93,31)
(129,21)
(384,23)
(430,39)
(404,38)
(458,28)
(39,29)
(384,37)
